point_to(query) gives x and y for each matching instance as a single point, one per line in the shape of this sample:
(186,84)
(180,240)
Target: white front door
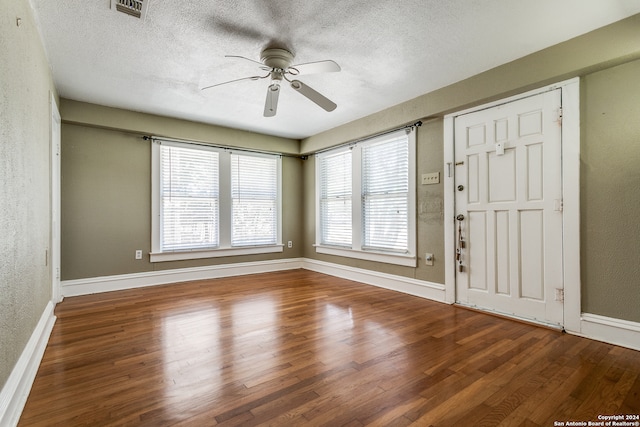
(508,196)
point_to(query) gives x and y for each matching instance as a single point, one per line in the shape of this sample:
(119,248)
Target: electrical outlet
(428,259)
(138,254)
(289,244)
(431,178)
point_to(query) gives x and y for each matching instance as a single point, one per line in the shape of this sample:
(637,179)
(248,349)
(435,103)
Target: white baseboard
(93,285)
(16,390)
(601,328)
(433,291)
(610,330)
(407,285)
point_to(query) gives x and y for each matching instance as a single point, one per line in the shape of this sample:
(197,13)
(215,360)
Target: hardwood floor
(299,348)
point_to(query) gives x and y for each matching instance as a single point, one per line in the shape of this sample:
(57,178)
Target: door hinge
(560,115)
(558,205)
(559,294)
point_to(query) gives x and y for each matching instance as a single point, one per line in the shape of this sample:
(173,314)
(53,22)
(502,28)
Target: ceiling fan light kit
(277,62)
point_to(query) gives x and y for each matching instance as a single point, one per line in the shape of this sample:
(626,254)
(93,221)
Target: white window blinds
(189,198)
(254,194)
(335,198)
(366,201)
(385,194)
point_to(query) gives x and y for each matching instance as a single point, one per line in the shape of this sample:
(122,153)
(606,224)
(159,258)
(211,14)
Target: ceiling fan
(277,63)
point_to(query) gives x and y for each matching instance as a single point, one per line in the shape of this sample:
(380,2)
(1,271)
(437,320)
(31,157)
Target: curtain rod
(153,138)
(355,141)
(410,126)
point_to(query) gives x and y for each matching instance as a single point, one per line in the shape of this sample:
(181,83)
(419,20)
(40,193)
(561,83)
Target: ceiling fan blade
(327,66)
(236,80)
(271,103)
(313,95)
(262,66)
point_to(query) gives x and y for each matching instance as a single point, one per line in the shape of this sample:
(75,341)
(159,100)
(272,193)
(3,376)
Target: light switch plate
(431,178)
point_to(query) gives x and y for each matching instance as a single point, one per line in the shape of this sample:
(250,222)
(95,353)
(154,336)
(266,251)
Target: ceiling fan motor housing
(277,58)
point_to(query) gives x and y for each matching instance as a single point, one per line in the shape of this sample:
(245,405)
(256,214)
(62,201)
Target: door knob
(460,217)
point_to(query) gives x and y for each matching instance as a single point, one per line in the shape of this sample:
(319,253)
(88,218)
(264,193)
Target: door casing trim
(55,153)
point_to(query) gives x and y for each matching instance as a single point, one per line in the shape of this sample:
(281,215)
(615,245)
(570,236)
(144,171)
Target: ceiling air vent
(137,8)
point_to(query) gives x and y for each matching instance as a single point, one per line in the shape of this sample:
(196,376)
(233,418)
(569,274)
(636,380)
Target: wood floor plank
(299,348)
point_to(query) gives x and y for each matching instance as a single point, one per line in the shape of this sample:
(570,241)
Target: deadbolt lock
(460,187)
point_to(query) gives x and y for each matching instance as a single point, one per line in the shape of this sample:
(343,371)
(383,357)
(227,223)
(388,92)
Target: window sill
(214,253)
(387,258)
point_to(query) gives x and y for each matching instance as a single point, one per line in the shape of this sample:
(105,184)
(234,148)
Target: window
(385,195)
(210,202)
(190,199)
(254,195)
(335,199)
(366,200)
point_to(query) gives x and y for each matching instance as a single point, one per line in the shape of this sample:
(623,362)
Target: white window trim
(224,248)
(215,253)
(408,259)
(386,257)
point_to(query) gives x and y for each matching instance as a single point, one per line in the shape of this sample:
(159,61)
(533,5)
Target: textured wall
(610,192)
(106,196)
(25,83)
(106,202)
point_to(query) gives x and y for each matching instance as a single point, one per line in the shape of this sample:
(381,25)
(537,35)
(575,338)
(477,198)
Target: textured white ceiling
(390,51)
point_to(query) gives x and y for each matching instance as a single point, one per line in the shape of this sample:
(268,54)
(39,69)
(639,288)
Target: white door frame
(570,189)
(55,157)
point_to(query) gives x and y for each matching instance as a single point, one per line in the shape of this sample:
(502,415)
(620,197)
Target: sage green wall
(610,192)
(106,190)
(106,202)
(100,116)
(25,87)
(607,57)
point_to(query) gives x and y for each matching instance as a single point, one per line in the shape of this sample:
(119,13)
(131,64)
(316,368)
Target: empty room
(288,213)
